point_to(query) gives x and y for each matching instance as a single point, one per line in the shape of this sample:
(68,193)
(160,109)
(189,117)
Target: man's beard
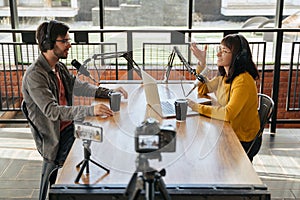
(59,53)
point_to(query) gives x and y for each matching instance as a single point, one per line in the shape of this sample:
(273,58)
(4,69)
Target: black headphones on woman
(243,53)
(48,43)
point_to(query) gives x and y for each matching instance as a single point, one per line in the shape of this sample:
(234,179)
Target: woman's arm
(239,95)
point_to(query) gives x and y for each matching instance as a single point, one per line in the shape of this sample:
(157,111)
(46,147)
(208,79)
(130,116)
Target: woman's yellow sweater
(236,104)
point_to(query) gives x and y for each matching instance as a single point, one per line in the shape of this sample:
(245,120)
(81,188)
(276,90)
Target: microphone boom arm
(108,55)
(123,54)
(188,67)
(137,68)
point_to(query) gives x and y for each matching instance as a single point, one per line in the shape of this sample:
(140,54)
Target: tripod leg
(87,167)
(78,165)
(162,187)
(150,191)
(107,170)
(131,185)
(139,186)
(81,171)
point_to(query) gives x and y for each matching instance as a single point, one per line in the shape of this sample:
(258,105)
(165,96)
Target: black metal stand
(85,161)
(150,181)
(125,54)
(169,66)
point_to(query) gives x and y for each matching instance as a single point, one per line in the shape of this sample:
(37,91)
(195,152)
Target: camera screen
(150,137)
(148,142)
(87,132)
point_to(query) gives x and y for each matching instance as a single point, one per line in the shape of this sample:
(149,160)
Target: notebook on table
(164,107)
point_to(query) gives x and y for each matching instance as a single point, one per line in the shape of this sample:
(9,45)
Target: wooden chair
(265,110)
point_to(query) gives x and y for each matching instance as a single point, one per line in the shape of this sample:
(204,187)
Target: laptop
(165,108)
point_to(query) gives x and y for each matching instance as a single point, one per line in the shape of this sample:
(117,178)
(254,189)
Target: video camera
(150,137)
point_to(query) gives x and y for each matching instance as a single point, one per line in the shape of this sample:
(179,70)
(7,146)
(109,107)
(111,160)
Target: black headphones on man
(48,43)
(243,53)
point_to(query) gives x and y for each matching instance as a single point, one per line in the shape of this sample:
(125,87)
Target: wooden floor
(278,164)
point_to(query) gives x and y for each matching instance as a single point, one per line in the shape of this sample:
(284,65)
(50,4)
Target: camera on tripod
(88,132)
(151,140)
(150,137)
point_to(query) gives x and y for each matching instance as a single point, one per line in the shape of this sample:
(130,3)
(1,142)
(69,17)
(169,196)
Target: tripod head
(87,144)
(142,161)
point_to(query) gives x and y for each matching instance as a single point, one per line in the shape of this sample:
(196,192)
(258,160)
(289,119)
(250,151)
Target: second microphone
(82,69)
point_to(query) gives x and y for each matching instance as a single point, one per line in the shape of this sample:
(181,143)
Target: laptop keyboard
(167,107)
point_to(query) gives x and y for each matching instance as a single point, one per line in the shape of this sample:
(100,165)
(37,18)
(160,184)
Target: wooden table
(209,159)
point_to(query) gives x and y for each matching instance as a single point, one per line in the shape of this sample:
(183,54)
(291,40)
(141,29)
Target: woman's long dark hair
(241,58)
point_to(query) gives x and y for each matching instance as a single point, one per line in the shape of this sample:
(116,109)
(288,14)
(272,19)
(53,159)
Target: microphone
(200,79)
(81,68)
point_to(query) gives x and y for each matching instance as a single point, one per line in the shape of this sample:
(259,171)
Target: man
(48,89)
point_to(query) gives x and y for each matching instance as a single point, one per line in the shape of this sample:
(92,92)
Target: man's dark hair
(47,33)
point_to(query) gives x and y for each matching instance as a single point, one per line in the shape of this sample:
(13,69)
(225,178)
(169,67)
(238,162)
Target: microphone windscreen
(76,64)
(201,78)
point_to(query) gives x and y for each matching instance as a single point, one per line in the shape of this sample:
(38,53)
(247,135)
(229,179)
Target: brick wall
(9,83)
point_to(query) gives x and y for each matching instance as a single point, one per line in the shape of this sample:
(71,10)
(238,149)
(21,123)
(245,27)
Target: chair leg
(53,175)
(47,169)
(253,149)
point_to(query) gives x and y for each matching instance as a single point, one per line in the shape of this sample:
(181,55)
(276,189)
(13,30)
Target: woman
(235,89)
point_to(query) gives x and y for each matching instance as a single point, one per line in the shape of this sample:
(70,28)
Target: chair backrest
(26,114)
(265,110)
(24,109)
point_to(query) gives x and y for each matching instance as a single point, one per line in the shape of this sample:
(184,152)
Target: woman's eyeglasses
(220,49)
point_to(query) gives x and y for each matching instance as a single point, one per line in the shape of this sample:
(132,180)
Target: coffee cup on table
(115,101)
(181,106)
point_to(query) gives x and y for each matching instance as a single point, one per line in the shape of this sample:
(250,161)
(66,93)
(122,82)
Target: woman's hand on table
(191,103)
